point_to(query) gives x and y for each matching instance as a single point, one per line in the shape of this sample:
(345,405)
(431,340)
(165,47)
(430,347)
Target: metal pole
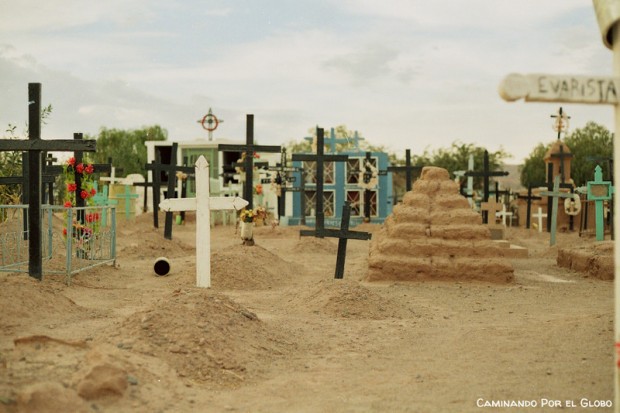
(616,72)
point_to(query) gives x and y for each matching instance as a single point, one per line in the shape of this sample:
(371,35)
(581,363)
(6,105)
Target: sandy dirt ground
(276,332)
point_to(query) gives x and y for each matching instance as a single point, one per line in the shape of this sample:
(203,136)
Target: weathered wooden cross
(202,204)
(343,234)
(249,148)
(35,146)
(540,216)
(529,199)
(599,191)
(127,196)
(408,168)
(281,179)
(555,194)
(171,169)
(320,159)
(101,199)
(486,173)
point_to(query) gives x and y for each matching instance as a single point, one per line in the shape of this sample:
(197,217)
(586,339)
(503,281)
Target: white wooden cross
(540,216)
(112,178)
(503,214)
(202,204)
(585,89)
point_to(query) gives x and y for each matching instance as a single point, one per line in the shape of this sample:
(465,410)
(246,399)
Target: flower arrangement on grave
(84,224)
(249,215)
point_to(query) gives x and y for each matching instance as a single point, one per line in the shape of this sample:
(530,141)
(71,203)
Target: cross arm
(248,148)
(312,157)
(338,233)
(48,145)
(490,173)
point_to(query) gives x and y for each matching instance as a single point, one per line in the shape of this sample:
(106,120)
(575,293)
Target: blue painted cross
(599,191)
(555,194)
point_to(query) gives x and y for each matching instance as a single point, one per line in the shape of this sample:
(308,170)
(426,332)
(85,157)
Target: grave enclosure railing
(73,239)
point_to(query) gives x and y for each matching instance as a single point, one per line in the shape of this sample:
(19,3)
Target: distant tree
(533,169)
(456,158)
(590,146)
(591,141)
(126,147)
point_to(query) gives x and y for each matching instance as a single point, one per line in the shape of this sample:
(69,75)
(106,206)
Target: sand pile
(434,234)
(203,335)
(151,243)
(243,267)
(348,299)
(313,245)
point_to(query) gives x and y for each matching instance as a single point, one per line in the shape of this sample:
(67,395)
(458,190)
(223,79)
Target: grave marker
(529,199)
(408,168)
(540,216)
(319,158)
(203,204)
(127,196)
(249,148)
(486,173)
(555,194)
(343,234)
(35,146)
(599,191)
(171,169)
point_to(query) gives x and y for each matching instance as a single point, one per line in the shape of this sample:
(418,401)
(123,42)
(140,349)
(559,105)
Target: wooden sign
(560,88)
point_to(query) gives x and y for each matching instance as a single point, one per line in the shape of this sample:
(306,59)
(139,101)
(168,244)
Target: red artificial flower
(89,217)
(68,204)
(80,168)
(64,231)
(93,192)
(71,187)
(96,216)
(89,169)
(71,161)
(256,155)
(84,194)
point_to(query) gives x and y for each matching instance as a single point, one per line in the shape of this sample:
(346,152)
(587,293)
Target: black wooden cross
(249,148)
(343,234)
(486,173)
(529,198)
(562,155)
(320,159)
(171,169)
(281,179)
(499,193)
(35,146)
(408,168)
(559,123)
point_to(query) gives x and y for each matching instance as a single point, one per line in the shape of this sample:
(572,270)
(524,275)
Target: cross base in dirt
(203,205)
(343,234)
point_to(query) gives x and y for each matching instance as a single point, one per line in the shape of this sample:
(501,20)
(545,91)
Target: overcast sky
(415,74)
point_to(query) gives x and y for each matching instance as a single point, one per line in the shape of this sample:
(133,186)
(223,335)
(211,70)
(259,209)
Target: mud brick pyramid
(434,234)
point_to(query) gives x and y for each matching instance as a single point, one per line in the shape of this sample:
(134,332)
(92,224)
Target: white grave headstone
(539,216)
(202,204)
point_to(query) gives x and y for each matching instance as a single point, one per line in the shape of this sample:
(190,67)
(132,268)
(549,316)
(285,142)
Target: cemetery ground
(276,332)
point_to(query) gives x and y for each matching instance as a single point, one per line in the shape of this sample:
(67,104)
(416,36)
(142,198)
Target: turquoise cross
(127,196)
(599,191)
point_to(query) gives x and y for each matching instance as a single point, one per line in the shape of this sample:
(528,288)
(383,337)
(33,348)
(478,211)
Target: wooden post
(408,168)
(202,204)
(486,174)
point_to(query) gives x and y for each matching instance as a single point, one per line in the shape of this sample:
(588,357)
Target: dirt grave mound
(203,335)
(243,267)
(21,295)
(151,243)
(596,260)
(348,299)
(277,231)
(313,245)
